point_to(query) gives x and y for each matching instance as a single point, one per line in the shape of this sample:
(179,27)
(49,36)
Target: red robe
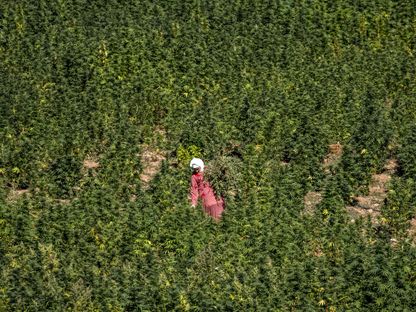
(213,205)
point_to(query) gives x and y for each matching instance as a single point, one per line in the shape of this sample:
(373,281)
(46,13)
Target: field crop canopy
(306,111)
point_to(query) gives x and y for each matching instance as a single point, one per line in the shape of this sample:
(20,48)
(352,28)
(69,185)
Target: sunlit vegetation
(91,90)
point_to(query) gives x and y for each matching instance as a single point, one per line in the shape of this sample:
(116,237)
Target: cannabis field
(104,103)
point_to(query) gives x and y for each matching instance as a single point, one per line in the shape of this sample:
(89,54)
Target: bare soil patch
(311,200)
(412,230)
(151,159)
(370,205)
(91,164)
(335,149)
(63,201)
(333,156)
(359,212)
(14,194)
(381,179)
(374,201)
(363,206)
(391,166)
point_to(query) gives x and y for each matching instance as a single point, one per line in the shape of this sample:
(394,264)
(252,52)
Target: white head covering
(197,163)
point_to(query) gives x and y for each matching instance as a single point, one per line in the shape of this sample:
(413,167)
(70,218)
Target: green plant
(225,174)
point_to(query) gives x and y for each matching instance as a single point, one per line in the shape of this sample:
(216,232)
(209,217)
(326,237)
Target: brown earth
(63,201)
(311,200)
(151,159)
(364,206)
(369,205)
(333,156)
(16,194)
(412,230)
(357,212)
(91,164)
(335,149)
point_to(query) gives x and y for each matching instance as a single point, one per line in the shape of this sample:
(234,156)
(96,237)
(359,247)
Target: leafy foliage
(269,83)
(224,173)
(401,205)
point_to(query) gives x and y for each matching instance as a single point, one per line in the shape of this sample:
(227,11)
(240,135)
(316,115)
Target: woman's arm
(194,191)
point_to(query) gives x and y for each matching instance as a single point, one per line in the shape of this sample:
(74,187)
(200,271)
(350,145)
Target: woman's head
(197,165)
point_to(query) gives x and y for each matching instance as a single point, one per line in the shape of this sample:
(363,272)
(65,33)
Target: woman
(213,206)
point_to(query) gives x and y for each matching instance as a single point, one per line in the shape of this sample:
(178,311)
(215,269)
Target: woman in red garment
(213,205)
